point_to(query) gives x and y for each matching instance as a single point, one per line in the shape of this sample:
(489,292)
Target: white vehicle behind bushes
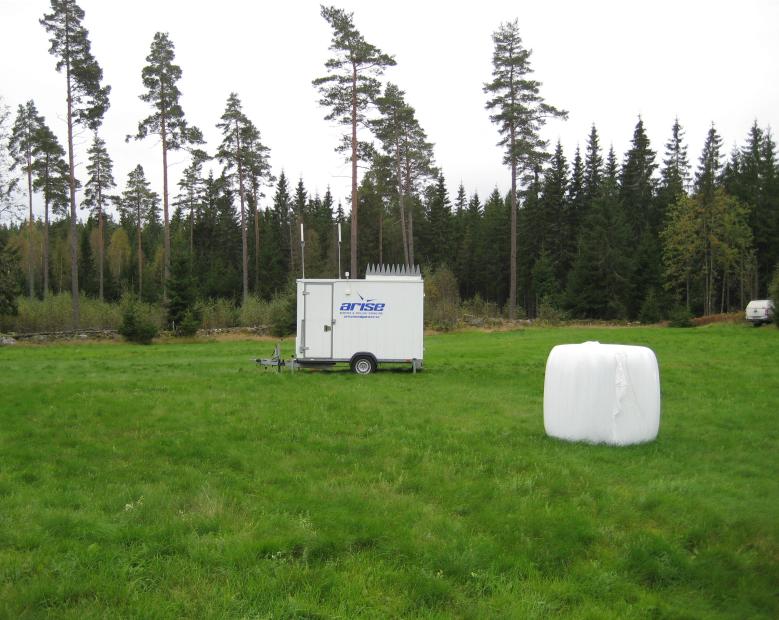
(760,311)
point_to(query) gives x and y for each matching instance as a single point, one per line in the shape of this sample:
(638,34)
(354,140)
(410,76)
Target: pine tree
(87,101)
(405,143)
(167,121)
(520,113)
(233,154)
(139,205)
(23,148)
(192,196)
(350,86)
(100,182)
(258,172)
(51,179)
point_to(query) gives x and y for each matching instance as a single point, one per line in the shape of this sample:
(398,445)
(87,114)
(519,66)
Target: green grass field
(178,480)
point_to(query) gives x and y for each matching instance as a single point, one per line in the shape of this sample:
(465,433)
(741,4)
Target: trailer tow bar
(276,361)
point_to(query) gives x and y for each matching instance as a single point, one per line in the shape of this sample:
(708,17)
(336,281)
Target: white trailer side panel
(382,317)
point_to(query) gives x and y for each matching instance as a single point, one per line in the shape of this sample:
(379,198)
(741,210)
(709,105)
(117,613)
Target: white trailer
(361,322)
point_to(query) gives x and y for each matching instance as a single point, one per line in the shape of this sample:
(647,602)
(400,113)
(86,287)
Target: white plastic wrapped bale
(602,393)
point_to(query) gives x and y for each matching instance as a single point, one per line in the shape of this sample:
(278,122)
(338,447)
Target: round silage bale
(602,393)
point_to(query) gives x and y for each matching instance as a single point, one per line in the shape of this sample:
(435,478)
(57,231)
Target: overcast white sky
(605,62)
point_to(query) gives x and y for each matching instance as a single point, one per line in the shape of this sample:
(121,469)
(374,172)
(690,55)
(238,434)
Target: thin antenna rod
(339,250)
(302,250)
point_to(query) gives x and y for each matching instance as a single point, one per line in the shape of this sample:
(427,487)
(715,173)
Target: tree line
(589,233)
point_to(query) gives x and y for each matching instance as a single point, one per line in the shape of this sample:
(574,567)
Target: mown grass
(181,481)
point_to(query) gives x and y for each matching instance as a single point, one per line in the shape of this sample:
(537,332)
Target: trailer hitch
(276,361)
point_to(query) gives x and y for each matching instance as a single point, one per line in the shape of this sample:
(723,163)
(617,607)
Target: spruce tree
(637,186)
(675,175)
(439,221)
(182,297)
(87,101)
(598,280)
(349,88)
(100,182)
(520,113)
(279,233)
(555,236)
(708,175)
(593,164)
(767,236)
(160,77)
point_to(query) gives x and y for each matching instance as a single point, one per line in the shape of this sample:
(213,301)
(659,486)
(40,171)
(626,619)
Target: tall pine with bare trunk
(233,153)
(520,113)
(51,178)
(167,120)
(349,88)
(23,148)
(86,99)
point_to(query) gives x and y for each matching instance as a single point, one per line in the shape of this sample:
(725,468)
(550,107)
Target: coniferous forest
(640,235)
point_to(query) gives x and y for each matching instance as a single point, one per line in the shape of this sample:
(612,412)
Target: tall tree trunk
(140,256)
(241,194)
(513,265)
(166,246)
(411,236)
(256,247)
(30,262)
(46,241)
(410,216)
(191,225)
(72,178)
(99,229)
(100,247)
(400,202)
(381,235)
(355,201)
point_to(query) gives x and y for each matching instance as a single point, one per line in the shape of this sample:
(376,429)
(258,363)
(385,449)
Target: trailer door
(318,320)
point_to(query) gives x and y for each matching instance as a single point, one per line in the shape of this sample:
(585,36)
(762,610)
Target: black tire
(363,365)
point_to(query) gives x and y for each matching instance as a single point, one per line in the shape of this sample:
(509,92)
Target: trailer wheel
(363,365)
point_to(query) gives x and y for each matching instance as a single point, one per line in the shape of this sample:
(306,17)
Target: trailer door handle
(327,328)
